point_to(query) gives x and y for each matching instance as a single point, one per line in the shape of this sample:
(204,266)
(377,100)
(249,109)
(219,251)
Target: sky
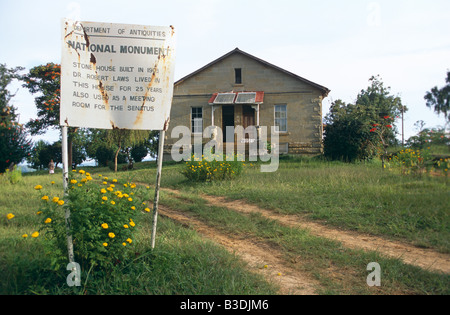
(337,44)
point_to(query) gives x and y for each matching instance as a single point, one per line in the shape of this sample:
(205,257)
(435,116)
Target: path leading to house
(292,281)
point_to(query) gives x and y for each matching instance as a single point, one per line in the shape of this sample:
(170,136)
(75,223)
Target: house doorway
(248,116)
(227,121)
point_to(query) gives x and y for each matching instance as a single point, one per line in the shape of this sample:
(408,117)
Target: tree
(139,152)
(124,139)
(43,152)
(349,131)
(440,99)
(14,145)
(45,82)
(346,137)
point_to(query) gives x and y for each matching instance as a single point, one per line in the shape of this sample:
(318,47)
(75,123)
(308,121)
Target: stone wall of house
(304,101)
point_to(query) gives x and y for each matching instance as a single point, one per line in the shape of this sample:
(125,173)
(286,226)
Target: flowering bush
(382,130)
(102,219)
(443,165)
(218,167)
(411,161)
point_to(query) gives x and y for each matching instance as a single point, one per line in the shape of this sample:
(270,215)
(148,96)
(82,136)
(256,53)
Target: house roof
(324,90)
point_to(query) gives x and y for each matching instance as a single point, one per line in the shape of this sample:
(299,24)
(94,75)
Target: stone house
(239,89)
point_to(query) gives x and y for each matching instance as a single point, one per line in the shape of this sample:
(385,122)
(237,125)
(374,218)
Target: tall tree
(45,82)
(14,145)
(439,99)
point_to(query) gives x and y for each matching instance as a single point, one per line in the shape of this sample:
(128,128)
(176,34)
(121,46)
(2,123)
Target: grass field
(357,197)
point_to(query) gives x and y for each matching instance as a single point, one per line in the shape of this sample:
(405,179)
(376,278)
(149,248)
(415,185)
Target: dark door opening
(248,116)
(227,121)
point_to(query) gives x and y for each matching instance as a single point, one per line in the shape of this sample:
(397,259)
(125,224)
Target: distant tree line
(353,131)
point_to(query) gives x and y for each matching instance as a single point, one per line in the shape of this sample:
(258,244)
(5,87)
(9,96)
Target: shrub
(102,220)
(212,168)
(13,176)
(412,161)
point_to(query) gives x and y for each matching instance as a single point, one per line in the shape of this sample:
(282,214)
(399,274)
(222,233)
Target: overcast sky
(337,44)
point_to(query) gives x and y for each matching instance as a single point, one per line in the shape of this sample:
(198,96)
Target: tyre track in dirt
(424,258)
(260,257)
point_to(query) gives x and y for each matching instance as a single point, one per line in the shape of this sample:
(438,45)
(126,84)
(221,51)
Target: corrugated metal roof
(251,97)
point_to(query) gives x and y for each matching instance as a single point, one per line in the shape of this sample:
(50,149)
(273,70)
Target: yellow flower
(88,178)
(130,199)
(9,216)
(25,235)
(103,191)
(88,174)
(124,244)
(114,180)
(133,185)
(105,244)
(132,223)
(61,202)
(109,189)
(55,199)
(52,182)
(147,209)
(48,220)
(35,234)
(105,183)
(113,202)
(112,186)
(125,226)
(111,235)
(104,198)
(73,181)
(133,208)
(105,178)
(81,171)
(45,198)
(129,240)
(84,180)
(105,225)
(39,212)
(38,187)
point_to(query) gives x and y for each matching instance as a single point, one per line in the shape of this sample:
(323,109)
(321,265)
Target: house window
(281,117)
(238,76)
(197,120)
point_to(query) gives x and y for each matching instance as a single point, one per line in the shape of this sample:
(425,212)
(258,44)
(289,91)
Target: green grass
(360,197)
(338,269)
(182,262)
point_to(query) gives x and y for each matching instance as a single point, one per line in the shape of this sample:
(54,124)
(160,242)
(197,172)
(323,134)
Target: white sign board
(116,75)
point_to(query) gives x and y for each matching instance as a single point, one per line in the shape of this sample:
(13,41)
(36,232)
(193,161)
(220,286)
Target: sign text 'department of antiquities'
(116,75)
